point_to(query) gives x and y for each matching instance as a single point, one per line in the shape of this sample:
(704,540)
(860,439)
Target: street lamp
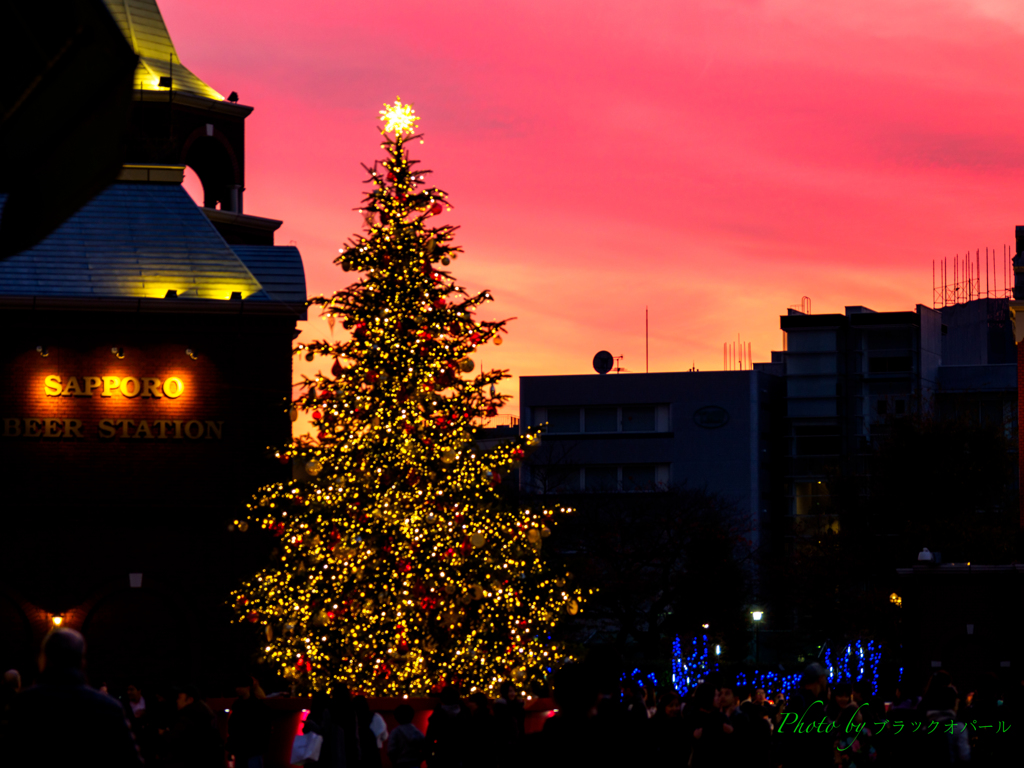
(757,616)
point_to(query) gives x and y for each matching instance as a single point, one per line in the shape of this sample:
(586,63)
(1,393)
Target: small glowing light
(757,615)
(57,620)
(896,600)
(718,650)
(705,625)
(398,118)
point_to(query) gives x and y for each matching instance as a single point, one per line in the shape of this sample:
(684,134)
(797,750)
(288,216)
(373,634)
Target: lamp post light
(757,616)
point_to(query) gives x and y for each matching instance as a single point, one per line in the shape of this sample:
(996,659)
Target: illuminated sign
(108,386)
(129,387)
(109,429)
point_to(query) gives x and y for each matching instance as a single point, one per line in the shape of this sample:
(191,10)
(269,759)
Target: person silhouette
(61,720)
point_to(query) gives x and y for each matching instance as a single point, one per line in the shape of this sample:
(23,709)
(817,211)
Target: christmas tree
(400,567)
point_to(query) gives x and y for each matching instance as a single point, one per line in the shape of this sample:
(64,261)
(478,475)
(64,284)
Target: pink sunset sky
(713,160)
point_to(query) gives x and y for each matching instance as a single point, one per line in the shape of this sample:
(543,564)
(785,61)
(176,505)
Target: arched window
(213,162)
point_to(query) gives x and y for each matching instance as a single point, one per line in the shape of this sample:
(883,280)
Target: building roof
(798,320)
(141,240)
(278,269)
(144,29)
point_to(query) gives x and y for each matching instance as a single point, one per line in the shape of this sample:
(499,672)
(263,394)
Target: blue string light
(690,669)
(855,662)
(648,681)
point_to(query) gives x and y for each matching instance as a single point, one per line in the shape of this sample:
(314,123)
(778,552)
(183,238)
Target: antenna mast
(647,343)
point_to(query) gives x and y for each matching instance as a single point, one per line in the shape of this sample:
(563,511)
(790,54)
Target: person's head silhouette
(63,651)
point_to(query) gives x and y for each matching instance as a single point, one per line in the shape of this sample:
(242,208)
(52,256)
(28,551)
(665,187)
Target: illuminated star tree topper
(399,118)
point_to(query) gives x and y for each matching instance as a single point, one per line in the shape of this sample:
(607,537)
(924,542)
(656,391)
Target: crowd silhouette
(599,719)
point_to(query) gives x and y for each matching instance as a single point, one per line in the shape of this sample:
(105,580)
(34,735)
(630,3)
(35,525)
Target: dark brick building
(145,370)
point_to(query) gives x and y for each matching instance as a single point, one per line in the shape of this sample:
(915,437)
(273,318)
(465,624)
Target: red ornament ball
(435,209)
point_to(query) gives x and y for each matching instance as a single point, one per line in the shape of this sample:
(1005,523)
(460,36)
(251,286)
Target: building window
(601,419)
(598,478)
(639,478)
(812,498)
(889,364)
(887,338)
(812,440)
(563,420)
(601,478)
(638,418)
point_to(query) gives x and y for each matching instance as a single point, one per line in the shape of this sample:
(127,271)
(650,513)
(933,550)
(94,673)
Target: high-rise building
(848,376)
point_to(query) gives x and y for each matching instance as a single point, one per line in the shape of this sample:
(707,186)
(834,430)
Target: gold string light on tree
(400,568)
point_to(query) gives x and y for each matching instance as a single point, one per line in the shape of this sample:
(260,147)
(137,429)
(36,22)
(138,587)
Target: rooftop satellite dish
(603,362)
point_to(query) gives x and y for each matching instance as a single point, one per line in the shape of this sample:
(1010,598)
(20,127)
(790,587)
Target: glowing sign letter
(151,387)
(72,388)
(51,386)
(130,386)
(110,384)
(173,387)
